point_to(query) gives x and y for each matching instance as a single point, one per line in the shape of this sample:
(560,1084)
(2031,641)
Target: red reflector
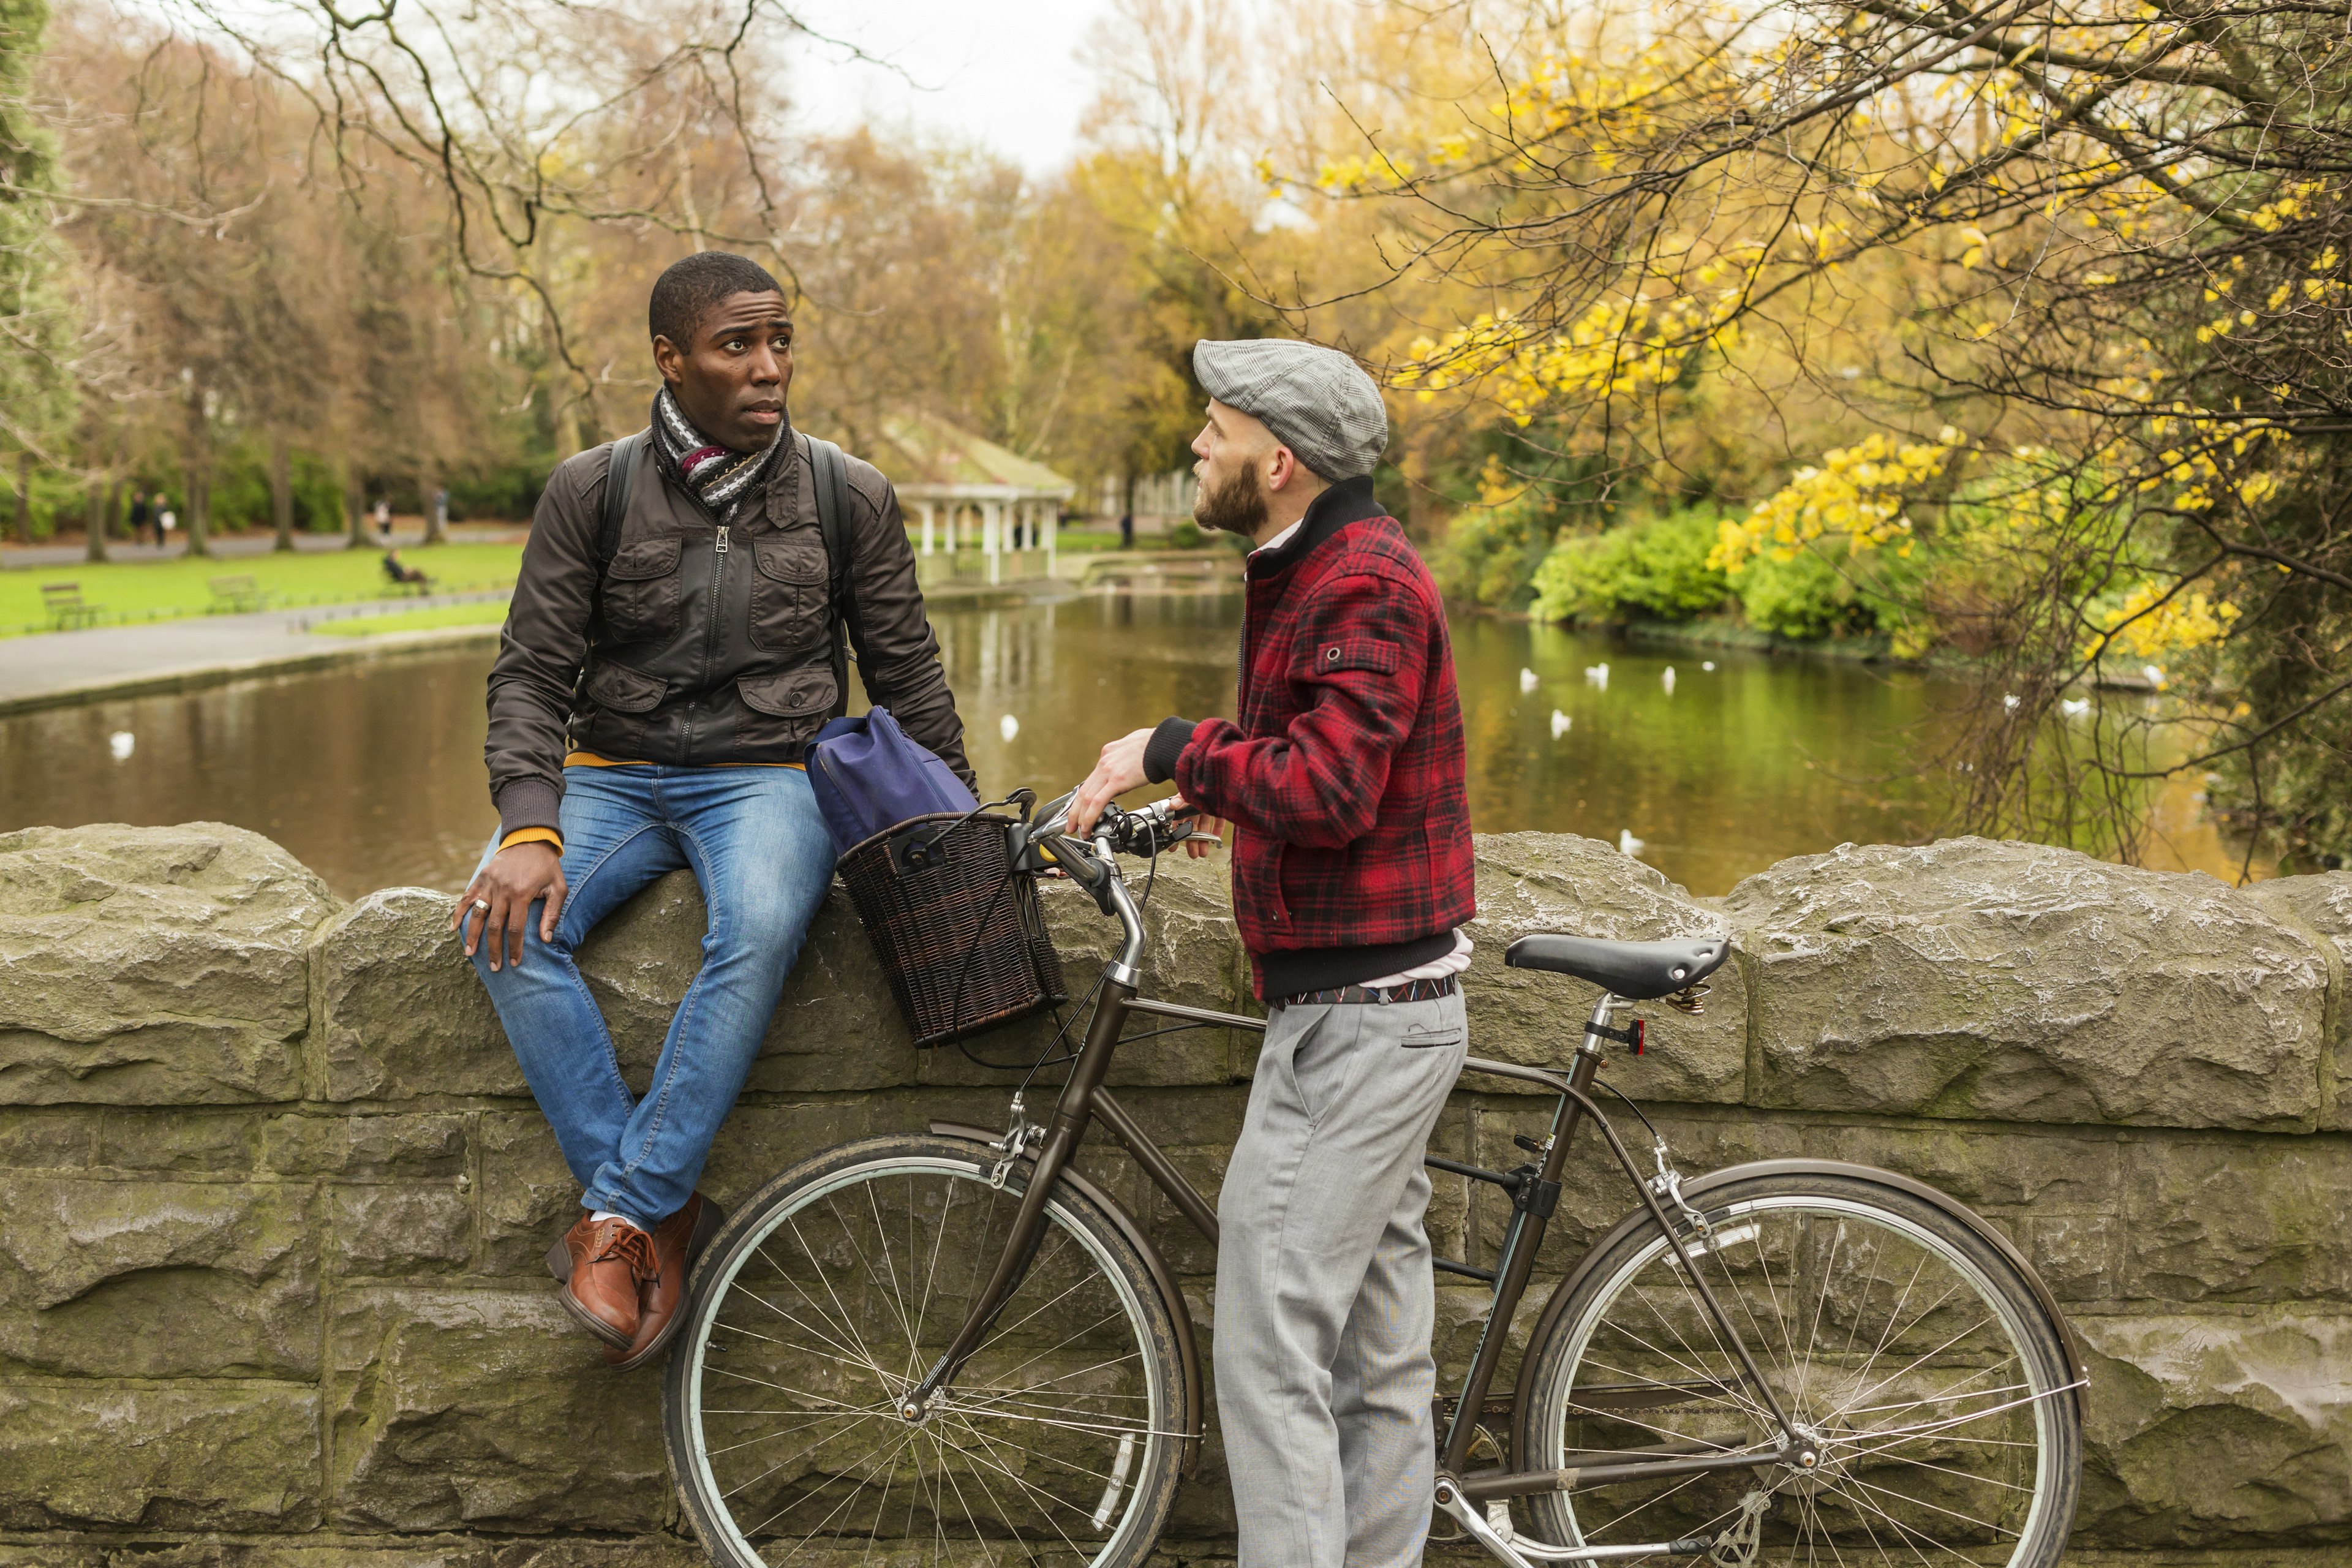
(1641,1036)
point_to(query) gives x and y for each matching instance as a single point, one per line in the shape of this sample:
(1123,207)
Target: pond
(1718,762)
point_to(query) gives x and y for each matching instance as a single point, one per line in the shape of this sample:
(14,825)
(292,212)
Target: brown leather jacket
(707,644)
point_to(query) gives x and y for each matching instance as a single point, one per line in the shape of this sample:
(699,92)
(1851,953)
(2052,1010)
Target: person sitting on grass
(404,575)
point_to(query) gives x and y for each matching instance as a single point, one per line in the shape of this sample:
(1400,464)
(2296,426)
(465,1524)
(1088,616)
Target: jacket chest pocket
(642,591)
(788,590)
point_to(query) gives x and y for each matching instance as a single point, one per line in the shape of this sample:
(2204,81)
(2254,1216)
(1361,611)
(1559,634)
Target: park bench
(234,595)
(66,607)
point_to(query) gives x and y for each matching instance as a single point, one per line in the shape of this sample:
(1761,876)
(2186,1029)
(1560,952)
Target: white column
(992,540)
(927,525)
(1052,532)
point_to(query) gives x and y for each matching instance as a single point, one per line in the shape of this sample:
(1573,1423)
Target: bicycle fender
(2077,1370)
(1188,1347)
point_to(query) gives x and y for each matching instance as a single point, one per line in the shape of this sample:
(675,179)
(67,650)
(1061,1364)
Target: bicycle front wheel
(835,1289)
(1912,1357)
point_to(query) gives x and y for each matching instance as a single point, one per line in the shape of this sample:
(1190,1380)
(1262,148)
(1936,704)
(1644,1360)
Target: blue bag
(868,776)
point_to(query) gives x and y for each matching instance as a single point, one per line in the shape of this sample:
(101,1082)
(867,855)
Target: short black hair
(686,290)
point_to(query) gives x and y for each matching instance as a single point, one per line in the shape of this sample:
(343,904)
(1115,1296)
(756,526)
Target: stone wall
(272,1194)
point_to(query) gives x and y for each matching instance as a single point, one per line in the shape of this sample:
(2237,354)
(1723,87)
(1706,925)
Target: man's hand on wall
(496,902)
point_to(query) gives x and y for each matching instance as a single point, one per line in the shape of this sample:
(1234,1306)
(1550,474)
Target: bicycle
(953,1346)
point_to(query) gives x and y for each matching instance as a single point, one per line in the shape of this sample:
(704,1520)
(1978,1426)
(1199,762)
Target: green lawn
(487,614)
(137,591)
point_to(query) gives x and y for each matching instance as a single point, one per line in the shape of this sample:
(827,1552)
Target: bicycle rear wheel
(1911,1355)
(834,1291)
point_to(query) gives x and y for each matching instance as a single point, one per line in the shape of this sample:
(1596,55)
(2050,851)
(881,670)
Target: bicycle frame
(1535,1192)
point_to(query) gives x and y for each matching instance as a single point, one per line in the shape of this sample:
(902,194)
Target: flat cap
(1318,402)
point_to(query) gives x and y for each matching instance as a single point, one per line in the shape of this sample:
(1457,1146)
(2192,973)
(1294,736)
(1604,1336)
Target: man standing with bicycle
(1344,782)
(675,641)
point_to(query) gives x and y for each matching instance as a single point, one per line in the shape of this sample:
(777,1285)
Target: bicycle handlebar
(1146,831)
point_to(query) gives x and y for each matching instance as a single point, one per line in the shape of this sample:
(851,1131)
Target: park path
(226,547)
(50,667)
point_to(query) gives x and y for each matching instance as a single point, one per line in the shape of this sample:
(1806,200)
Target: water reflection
(373,775)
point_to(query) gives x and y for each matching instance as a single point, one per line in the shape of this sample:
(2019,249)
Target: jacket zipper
(717,606)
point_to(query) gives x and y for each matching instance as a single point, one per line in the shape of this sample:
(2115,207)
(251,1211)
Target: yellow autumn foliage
(2143,627)
(1857,494)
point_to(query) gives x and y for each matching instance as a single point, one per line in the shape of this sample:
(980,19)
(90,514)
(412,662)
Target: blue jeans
(757,846)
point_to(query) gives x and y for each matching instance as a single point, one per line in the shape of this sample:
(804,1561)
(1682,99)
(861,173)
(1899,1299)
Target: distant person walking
(166,520)
(138,517)
(383,520)
(1127,530)
(440,509)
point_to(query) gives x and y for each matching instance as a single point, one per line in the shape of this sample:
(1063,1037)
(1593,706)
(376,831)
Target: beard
(1236,506)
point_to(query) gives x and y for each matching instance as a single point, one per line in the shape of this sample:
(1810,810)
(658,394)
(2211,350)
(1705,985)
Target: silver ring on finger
(481,906)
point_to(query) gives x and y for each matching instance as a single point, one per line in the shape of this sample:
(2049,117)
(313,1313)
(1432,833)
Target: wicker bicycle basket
(958,929)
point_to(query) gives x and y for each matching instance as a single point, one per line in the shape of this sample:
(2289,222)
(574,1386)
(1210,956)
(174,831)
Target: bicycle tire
(1058,1442)
(1988,1463)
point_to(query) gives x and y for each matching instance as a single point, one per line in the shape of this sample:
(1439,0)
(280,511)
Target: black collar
(1350,500)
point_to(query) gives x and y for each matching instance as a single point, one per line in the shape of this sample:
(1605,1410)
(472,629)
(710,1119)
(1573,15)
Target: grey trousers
(1325,1303)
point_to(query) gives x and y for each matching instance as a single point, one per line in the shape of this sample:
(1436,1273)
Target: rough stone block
(401,1010)
(2217,1430)
(2075,1254)
(323,1549)
(2254,1219)
(2013,982)
(2323,905)
(158,1279)
(152,966)
(1538,882)
(460,1409)
(1986,1167)
(179,1142)
(47,1140)
(397,1231)
(61,1554)
(365,1148)
(85,1454)
(528,1195)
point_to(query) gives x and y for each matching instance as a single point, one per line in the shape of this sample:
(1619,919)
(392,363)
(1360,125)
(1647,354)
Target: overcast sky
(1001,72)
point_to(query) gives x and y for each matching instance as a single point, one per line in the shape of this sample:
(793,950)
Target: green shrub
(1185,534)
(1656,567)
(1805,597)
(1491,552)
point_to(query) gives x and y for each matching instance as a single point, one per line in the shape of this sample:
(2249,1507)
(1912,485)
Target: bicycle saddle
(1637,971)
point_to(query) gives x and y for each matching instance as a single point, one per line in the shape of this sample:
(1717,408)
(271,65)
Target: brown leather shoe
(602,1265)
(677,1241)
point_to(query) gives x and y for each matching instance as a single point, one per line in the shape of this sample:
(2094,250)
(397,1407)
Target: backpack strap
(830,469)
(620,478)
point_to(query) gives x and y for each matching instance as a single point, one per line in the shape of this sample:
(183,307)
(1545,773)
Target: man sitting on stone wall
(653,688)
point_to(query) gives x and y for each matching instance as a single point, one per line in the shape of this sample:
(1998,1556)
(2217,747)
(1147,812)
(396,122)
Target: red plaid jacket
(1344,778)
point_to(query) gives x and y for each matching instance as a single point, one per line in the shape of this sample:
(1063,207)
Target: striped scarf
(718,476)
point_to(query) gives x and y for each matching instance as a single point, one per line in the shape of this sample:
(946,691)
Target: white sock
(601,1215)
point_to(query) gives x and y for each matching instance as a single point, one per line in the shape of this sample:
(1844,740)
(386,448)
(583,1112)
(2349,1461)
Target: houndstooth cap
(1318,402)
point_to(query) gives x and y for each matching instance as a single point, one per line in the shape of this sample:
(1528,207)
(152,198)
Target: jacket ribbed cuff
(528,803)
(1167,743)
